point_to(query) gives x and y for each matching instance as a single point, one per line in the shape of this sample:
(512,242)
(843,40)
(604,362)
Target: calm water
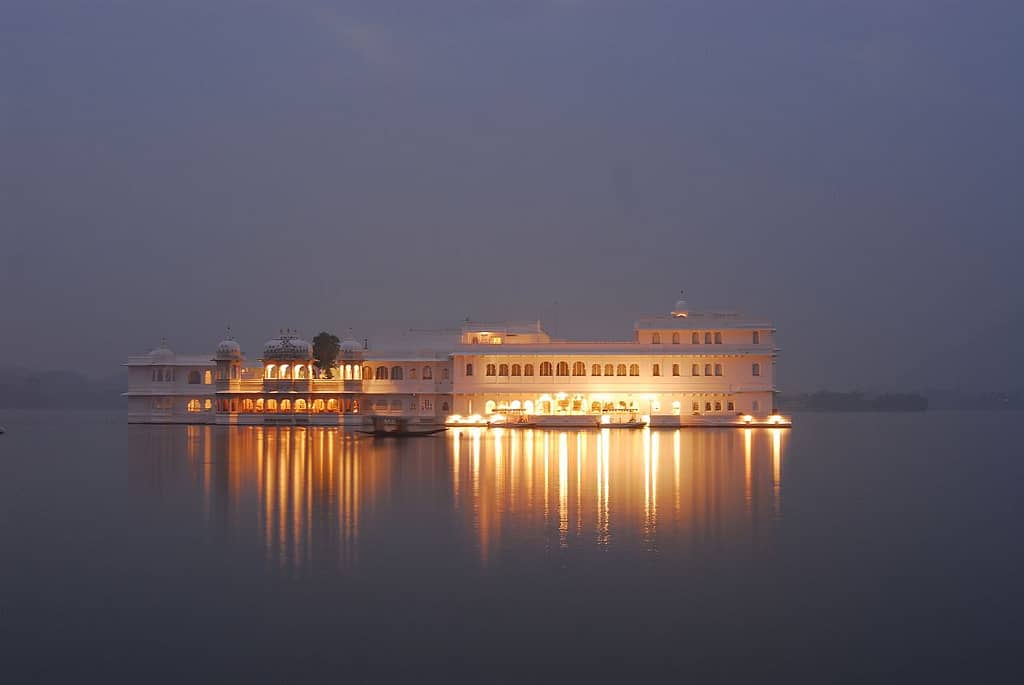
(852,546)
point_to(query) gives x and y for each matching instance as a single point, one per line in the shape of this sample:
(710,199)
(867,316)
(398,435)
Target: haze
(850,171)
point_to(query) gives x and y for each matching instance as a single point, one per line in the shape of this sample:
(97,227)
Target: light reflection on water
(317,496)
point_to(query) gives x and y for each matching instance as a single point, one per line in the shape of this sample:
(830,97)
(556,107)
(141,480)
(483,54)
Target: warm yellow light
(561,396)
(747,418)
(606,419)
(645,418)
(775,418)
(454,418)
(498,418)
(475,418)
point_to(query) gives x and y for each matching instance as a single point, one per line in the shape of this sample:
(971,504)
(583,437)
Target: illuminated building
(684,368)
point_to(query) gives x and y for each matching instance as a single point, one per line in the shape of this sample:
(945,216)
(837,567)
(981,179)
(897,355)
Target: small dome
(228,349)
(349,346)
(682,309)
(163,352)
(287,346)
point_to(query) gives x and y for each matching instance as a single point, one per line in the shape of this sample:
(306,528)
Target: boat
(394,427)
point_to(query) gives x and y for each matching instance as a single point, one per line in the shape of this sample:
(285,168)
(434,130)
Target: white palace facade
(683,368)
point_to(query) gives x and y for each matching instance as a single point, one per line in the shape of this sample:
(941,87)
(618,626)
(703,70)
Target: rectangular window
(656,370)
(718,338)
(469,369)
(757,406)
(755,369)
(696,407)
(427,405)
(757,337)
(730,405)
(718,406)
(718,369)
(695,370)
(675,369)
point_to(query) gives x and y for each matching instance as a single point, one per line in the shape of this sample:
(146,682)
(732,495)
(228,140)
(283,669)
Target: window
(444,406)
(562,369)
(634,369)
(656,370)
(193,405)
(412,374)
(707,369)
(528,369)
(609,370)
(656,339)
(695,339)
(545,368)
(427,405)
(595,369)
(300,404)
(469,369)
(234,373)
(502,369)
(675,369)
(382,373)
(718,338)
(695,370)
(368,372)
(579,369)
(730,406)
(489,370)
(286,405)
(755,369)
(675,338)
(757,405)
(332,405)
(396,373)
(620,370)
(207,377)
(718,369)
(517,370)
(272,406)
(707,338)
(756,335)
(444,373)
(718,406)
(707,406)
(207,404)
(193,379)
(696,407)
(428,373)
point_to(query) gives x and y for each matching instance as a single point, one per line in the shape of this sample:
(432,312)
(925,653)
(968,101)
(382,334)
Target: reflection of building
(680,369)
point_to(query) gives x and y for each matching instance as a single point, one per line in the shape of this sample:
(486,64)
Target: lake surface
(851,547)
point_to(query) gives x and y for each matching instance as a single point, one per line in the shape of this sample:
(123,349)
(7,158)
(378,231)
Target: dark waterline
(852,546)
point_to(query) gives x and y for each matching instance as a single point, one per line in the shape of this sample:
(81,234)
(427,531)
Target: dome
(228,349)
(288,345)
(349,346)
(682,309)
(163,352)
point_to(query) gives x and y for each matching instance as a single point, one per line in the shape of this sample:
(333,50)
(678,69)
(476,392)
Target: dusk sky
(851,171)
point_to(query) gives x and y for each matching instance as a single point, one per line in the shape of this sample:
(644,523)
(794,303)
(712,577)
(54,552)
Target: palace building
(682,368)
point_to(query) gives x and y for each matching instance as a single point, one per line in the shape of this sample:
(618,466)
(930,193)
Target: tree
(326,347)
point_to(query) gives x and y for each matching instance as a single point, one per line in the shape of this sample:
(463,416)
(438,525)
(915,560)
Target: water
(851,547)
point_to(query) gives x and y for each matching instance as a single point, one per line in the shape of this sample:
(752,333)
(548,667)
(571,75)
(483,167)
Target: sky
(851,171)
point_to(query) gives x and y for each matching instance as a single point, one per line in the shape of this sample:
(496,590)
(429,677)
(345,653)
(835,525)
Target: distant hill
(23,389)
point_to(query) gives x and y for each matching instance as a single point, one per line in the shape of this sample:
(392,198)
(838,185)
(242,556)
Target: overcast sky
(851,171)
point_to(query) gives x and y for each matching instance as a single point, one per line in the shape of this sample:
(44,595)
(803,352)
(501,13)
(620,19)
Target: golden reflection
(307,495)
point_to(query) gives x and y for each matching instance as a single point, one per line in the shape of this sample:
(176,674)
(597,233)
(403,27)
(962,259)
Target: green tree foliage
(326,347)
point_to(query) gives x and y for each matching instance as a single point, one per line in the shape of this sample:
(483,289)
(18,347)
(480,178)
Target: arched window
(656,339)
(730,406)
(755,369)
(207,405)
(469,369)
(476,340)
(595,369)
(258,408)
(517,370)
(562,369)
(332,404)
(207,377)
(527,369)
(609,370)
(718,406)
(675,369)
(234,406)
(300,405)
(316,406)
(444,406)
(707,338)
(545,368)
(234,373)
(756,336)
(396,373)
(718,338)
(368,372)
(428,373)
(707,406)
(248,405)
(707,369)
(718,369)
(382,373)
(412,373)
(444,373)
(620,370)
(194,405)
(656,370)
(634,369)
(502,369)
(695,338)
(282,371)
(489,407)
(193,378)
(579,369)
(301,371)
(490,370)
(695,370)
(675,338)
(286,405)
(271,406)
